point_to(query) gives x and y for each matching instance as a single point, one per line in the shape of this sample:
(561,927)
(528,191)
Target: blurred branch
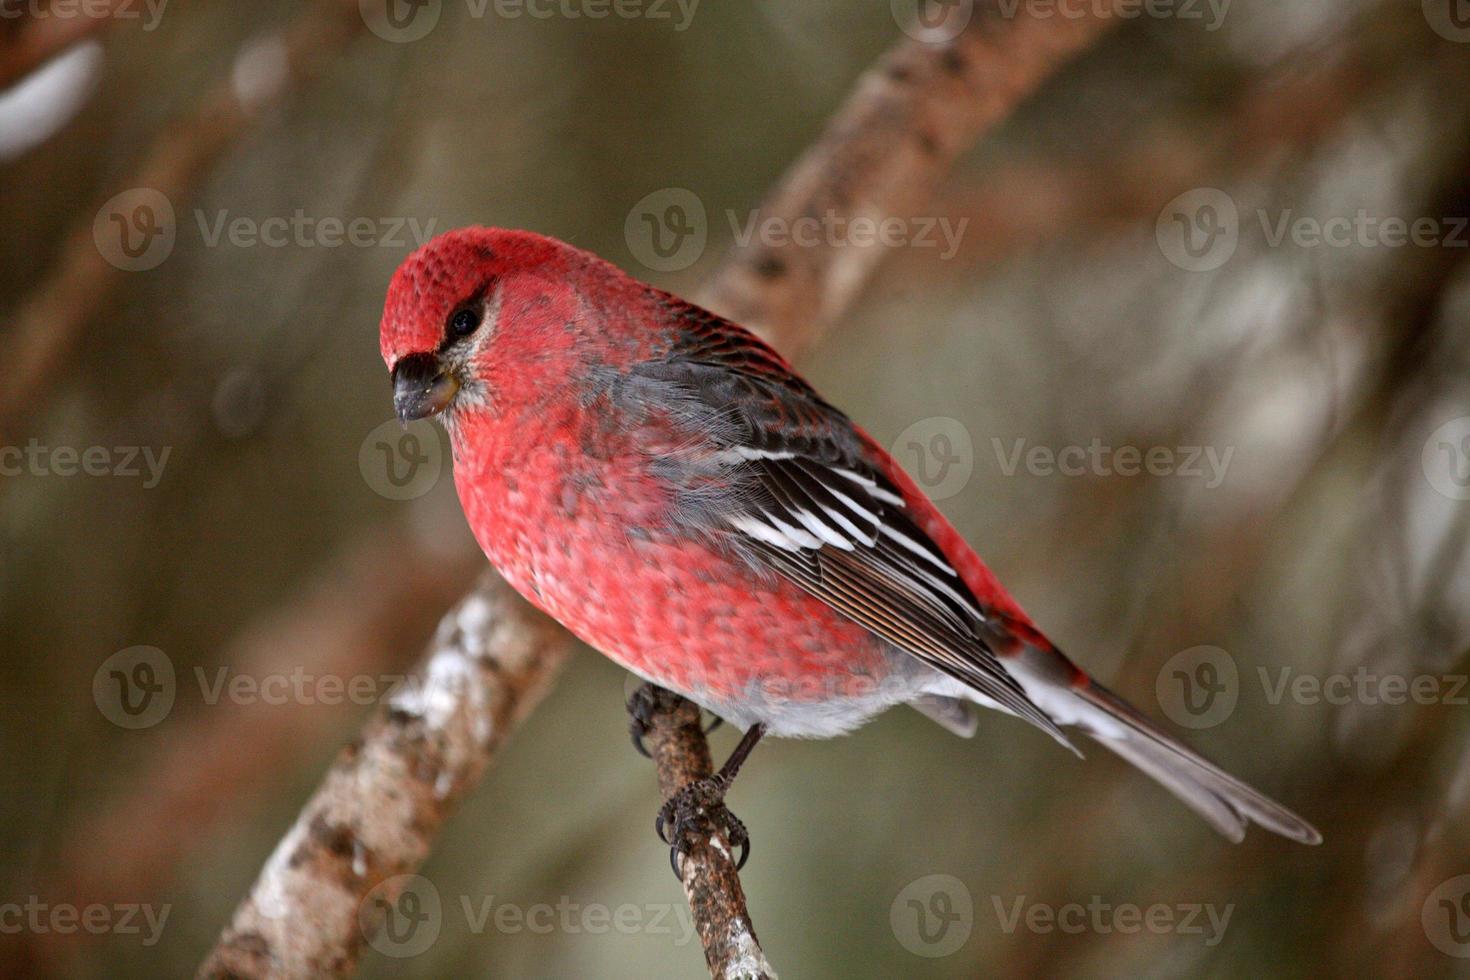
(49,320)
(884,153)
(1034,201)
(353,618)
(37,39)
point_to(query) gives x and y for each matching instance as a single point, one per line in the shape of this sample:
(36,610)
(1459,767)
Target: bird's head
(481,315)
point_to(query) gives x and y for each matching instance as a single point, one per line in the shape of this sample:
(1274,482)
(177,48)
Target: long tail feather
(1224,801)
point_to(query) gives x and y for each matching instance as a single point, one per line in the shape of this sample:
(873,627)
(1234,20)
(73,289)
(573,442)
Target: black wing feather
(784,477)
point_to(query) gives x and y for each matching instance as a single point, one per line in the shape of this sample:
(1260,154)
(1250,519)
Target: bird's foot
(699,808)
(641,706)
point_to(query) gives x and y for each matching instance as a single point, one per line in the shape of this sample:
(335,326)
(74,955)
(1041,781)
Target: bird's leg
(704,799)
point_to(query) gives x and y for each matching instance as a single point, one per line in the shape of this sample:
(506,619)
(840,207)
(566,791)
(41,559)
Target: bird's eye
(464,322)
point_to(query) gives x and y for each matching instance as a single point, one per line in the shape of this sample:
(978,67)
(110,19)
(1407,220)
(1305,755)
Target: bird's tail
(1228,804)
(1070,697)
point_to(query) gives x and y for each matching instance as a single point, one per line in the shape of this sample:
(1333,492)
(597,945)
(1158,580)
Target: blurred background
(1189,369)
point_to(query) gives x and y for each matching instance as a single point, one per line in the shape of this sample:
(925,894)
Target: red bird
(663,483)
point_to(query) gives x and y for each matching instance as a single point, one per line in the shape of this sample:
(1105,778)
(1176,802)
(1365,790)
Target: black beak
(421,387)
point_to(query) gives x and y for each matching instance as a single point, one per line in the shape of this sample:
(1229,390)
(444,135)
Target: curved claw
(670,823)
(715,721)
(637,737)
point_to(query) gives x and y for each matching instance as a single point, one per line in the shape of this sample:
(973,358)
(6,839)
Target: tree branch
(376,814)
(706,866)
(882,155)
(48,321)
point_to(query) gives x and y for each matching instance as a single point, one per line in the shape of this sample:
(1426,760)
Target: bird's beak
(421,387)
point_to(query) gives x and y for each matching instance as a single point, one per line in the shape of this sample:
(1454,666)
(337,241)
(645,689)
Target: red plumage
(665,485)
